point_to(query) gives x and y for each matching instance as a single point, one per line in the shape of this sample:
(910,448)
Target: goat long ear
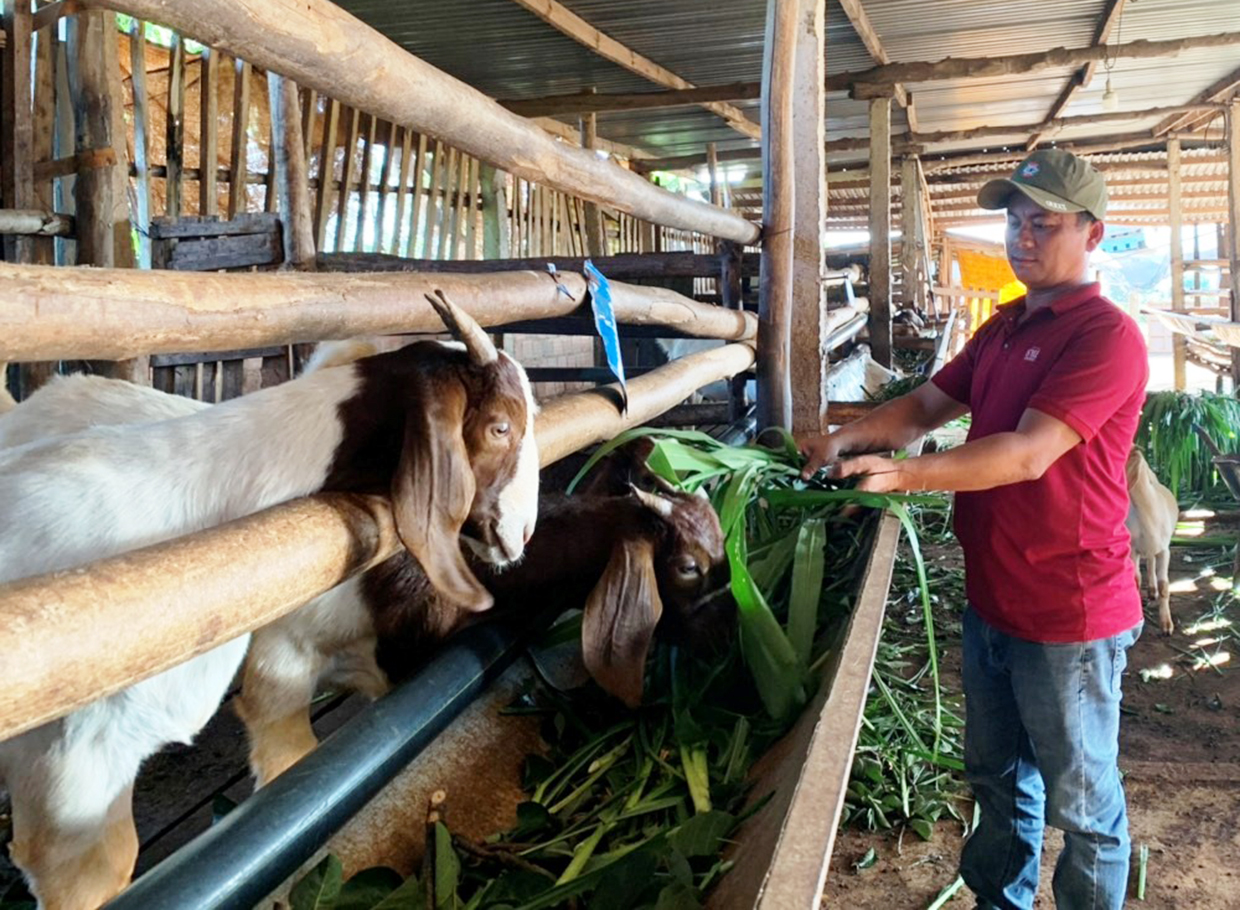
(620,617)
(433,491)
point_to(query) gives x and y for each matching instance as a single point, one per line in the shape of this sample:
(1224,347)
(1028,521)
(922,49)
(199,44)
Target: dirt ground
(1179,751)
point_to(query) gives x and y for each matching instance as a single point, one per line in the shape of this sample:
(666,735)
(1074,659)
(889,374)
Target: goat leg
(1163,582)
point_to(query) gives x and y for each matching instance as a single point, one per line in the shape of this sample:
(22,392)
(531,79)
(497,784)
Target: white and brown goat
(447,430)
(1152,515)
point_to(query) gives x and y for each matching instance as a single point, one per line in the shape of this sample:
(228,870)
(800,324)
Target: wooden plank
(880,230)
(309,121)
(1217,91)
(565,20)
(455,200)
(589,102)
(807,363)
(17,122)
(228,252)
(347,179)
(1233,235)
(141,123)
(239,161)
(363,196)
(473,210)
(174,134)
(443,218)
(1177,259)
(419,195)
(43,249)
(191,226)
(327,171)
(869,37)
(209,145)
(396,242)
(595,242)
(385,177)
(58,313)
(496,239)
(434,201)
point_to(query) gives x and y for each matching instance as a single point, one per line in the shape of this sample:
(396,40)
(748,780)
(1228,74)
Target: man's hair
(1084,219)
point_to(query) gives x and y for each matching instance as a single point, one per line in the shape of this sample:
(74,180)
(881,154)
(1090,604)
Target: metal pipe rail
(236,577)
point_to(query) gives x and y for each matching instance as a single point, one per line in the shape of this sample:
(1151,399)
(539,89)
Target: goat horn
(654,502)
(464,329)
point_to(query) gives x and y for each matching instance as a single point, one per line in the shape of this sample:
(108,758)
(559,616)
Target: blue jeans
(1041,745)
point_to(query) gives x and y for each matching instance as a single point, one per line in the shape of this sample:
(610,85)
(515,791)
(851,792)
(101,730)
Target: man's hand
(819,451)
(878,474)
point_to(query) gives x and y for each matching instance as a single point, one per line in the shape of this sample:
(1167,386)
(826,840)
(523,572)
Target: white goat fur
(1152,515)
(97,490)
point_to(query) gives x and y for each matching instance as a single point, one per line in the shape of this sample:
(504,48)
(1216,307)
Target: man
(1055,382)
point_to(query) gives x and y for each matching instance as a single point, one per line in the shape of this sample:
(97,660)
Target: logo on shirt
(1032,354)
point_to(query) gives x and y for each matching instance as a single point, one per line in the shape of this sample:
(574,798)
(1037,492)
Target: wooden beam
(238,199)
(596,239)
(778,214)
(569,23)
(1233,233)
(869,37)
(880,230)
(1082,77)
(142,178)
(1218,91)
(174,134)
(910,240)
(371,72)
(347,178)
(65,313)
(881,79)
(808,329)
(327,173)
(578,103)
(291,183)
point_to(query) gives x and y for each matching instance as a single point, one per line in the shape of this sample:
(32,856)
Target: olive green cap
(1056,180)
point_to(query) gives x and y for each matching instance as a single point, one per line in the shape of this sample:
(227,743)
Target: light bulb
(1110,100)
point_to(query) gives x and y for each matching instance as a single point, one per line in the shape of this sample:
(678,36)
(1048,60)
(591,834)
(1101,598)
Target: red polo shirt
(1048,560)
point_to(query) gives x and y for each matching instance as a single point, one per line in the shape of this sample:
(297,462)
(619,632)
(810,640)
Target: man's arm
(892,425)
(1023,454)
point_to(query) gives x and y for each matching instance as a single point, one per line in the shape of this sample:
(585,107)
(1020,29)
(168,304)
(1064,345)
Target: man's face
(1045,248)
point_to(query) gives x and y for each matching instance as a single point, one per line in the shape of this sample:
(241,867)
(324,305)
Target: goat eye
(688,567)
(500,429)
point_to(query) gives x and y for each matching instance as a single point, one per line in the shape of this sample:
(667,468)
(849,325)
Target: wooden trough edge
(232,579)
(54,312)
(321,46)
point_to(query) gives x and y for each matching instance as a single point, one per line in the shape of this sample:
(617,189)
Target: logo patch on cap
(1029,169)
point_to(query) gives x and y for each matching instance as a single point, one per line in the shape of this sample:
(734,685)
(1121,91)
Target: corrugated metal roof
(508,52)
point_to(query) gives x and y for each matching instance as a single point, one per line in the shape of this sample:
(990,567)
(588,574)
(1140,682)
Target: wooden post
(808,360)
(880,230)
(209,149)
(346,179)
(396,241)
(778,202)
(385,177)
(1179,342)
(433,201)
(292,183)
(175,132)
(595,241)
(368,170)
(237,194)
(911,232)
(17,123)
(419,194)
(1233,235)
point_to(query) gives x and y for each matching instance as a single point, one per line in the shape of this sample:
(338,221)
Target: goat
(447,430)
(622,550)
(1152,515)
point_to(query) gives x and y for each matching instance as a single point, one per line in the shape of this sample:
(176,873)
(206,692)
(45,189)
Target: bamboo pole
(208,149)
(880,230)
(327,173)
(433,201)
(59,313)
(596,243)
(778,214)
(385,192)
(347,179)
(142,180)
(581,103)
(396,241)
(419,194)
(1179,345)
(368,71)
(363,195)
(234,578)
(240,162)
(35,223)
(17,122)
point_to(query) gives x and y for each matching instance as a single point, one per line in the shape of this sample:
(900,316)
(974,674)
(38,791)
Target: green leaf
(678,896)
(703,834)
(320,887)
(867,861)
(447,869)
(368,888)
(923,828)
(621,888)
(807,571)
(411,895)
